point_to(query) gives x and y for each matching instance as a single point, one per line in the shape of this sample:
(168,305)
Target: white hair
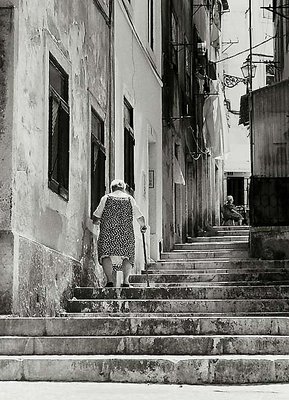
(117,184)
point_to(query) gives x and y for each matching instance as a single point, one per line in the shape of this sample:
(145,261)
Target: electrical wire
(244,51)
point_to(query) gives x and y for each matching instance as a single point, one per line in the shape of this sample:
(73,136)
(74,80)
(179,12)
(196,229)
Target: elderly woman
(116,242)
(230,213)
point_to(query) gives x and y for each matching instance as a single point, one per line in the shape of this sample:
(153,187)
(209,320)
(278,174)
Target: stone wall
(6,121)
(269,242)
(50,248)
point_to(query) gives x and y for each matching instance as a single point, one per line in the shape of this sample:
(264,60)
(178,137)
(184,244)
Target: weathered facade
(194,123)
(55,74)
(138,124)
(270,169)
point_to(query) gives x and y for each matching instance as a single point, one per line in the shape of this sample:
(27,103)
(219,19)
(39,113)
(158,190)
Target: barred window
(98,156)
(58,159)
(129,143)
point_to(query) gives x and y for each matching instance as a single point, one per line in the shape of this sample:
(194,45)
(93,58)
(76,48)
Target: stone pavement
(115,391)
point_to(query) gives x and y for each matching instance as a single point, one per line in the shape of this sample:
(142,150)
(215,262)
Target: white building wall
(137,78)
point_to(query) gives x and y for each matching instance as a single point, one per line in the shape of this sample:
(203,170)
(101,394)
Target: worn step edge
(248,270)
(146,345)
(236,245)
(212,271)
(147,369)
(258,314)
(179,306)
(211,277)
(197,292)
(144,325)
(209,239)
(212,283)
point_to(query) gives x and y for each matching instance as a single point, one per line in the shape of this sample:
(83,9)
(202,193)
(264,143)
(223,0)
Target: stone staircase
(210,316)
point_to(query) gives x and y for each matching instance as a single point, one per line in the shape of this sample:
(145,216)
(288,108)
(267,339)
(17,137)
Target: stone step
(241,245)
(195,306)
(208,239)
(177,271)
(82,325)
(225,369)
(197,292)
(84,314)
(205,254)
(232,228)
(213,283)
(227,264)
(145,345)
(232,233)
(211,277)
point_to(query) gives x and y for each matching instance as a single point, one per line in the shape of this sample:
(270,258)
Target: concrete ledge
(125,325)
(269,242)
(187,345)
(175,370)
(178,306)
(197,292)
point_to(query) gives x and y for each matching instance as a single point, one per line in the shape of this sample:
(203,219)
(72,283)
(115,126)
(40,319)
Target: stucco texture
(53,235)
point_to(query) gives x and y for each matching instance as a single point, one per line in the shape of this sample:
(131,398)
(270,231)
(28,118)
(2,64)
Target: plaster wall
(50,236)
(7,16)
(137,78)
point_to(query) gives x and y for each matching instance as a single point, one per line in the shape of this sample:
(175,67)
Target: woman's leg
(126,269)
(107,268)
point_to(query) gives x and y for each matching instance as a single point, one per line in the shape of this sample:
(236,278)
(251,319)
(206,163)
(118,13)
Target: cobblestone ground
(104,391)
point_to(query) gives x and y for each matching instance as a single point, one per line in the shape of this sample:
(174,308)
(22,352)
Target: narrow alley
(144,220)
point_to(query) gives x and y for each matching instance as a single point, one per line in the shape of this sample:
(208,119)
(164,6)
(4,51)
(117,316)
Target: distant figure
(230,213)
(116,242)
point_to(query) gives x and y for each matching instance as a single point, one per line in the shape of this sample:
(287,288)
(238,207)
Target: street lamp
(248,69)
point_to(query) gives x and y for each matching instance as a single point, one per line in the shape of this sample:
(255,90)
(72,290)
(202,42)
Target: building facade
(194,124)
(56,107)
(138,114)
(92,91)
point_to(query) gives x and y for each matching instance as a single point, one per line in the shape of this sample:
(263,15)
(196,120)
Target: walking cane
(145,258)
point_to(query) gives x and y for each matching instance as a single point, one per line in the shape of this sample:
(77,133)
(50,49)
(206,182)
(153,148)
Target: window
(188,67)
(174,40)
(58,159)
(98,156)
(270,73)
(151,23)
(129,143)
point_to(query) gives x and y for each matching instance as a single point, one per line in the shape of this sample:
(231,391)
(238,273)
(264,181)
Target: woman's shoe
(109,284)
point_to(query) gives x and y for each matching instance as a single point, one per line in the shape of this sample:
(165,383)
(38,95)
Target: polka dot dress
(116,238)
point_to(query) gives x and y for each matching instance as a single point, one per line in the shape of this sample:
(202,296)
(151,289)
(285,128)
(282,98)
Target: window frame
(174,39)
(151,24)
(100,143)
(129,145)
(63,140)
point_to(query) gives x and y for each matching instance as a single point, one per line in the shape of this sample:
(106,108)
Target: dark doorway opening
(235,188)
